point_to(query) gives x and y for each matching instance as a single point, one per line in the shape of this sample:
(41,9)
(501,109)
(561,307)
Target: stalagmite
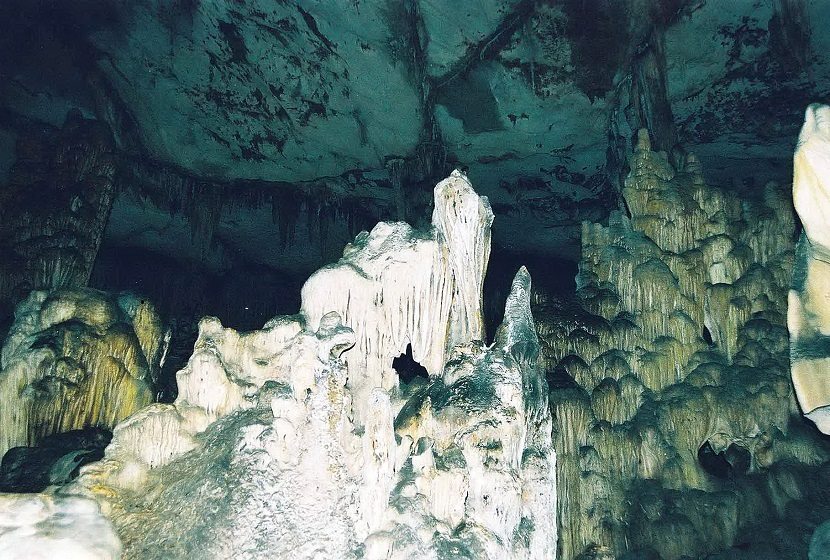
(75,358)
(396,286)
(303,426)
(809,311)
(676,343)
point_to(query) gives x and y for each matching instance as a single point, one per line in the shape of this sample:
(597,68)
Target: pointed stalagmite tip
(643,140)
(816,121)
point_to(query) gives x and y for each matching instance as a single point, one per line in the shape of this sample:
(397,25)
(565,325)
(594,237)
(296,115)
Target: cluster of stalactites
(688,259)
(76,358)
(678,332)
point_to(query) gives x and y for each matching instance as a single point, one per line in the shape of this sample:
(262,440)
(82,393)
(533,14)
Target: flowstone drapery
(76,358)
(303,427)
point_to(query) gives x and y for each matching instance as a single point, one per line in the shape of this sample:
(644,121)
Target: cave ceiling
(538,100)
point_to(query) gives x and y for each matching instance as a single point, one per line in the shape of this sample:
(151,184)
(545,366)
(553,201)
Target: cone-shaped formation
(76,358)
(339,461)
(676,342)
(809,311)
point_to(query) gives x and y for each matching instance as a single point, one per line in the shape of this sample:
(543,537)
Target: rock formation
(670,369)
(396,286)
(302,426)
(54,208)
(809,311)
(40,527)
(808,316)
(76,358)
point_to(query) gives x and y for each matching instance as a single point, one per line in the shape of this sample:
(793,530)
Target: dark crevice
(235,41)
(57,459)
(712,462)
(707,336)
(312,26)
(407,368)
(735,460)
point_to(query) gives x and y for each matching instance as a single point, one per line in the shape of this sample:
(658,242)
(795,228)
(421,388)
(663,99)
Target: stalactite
(395,167)
(203,207)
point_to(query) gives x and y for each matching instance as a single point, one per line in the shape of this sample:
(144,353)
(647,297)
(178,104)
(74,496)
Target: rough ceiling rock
(262,89)
(740,74)
(539,99)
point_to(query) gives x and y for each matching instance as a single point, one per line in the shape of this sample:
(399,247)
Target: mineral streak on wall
(809,311)
(672,370)
(75,358)
(284,425)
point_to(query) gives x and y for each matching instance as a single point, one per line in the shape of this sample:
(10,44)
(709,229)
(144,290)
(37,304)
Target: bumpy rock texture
(809,311)
(39,527)
(73,359)
(673,414)
(303,427)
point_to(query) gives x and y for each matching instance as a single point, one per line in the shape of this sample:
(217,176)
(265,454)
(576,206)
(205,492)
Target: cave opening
(559,378)
(713,462)
(408,369)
